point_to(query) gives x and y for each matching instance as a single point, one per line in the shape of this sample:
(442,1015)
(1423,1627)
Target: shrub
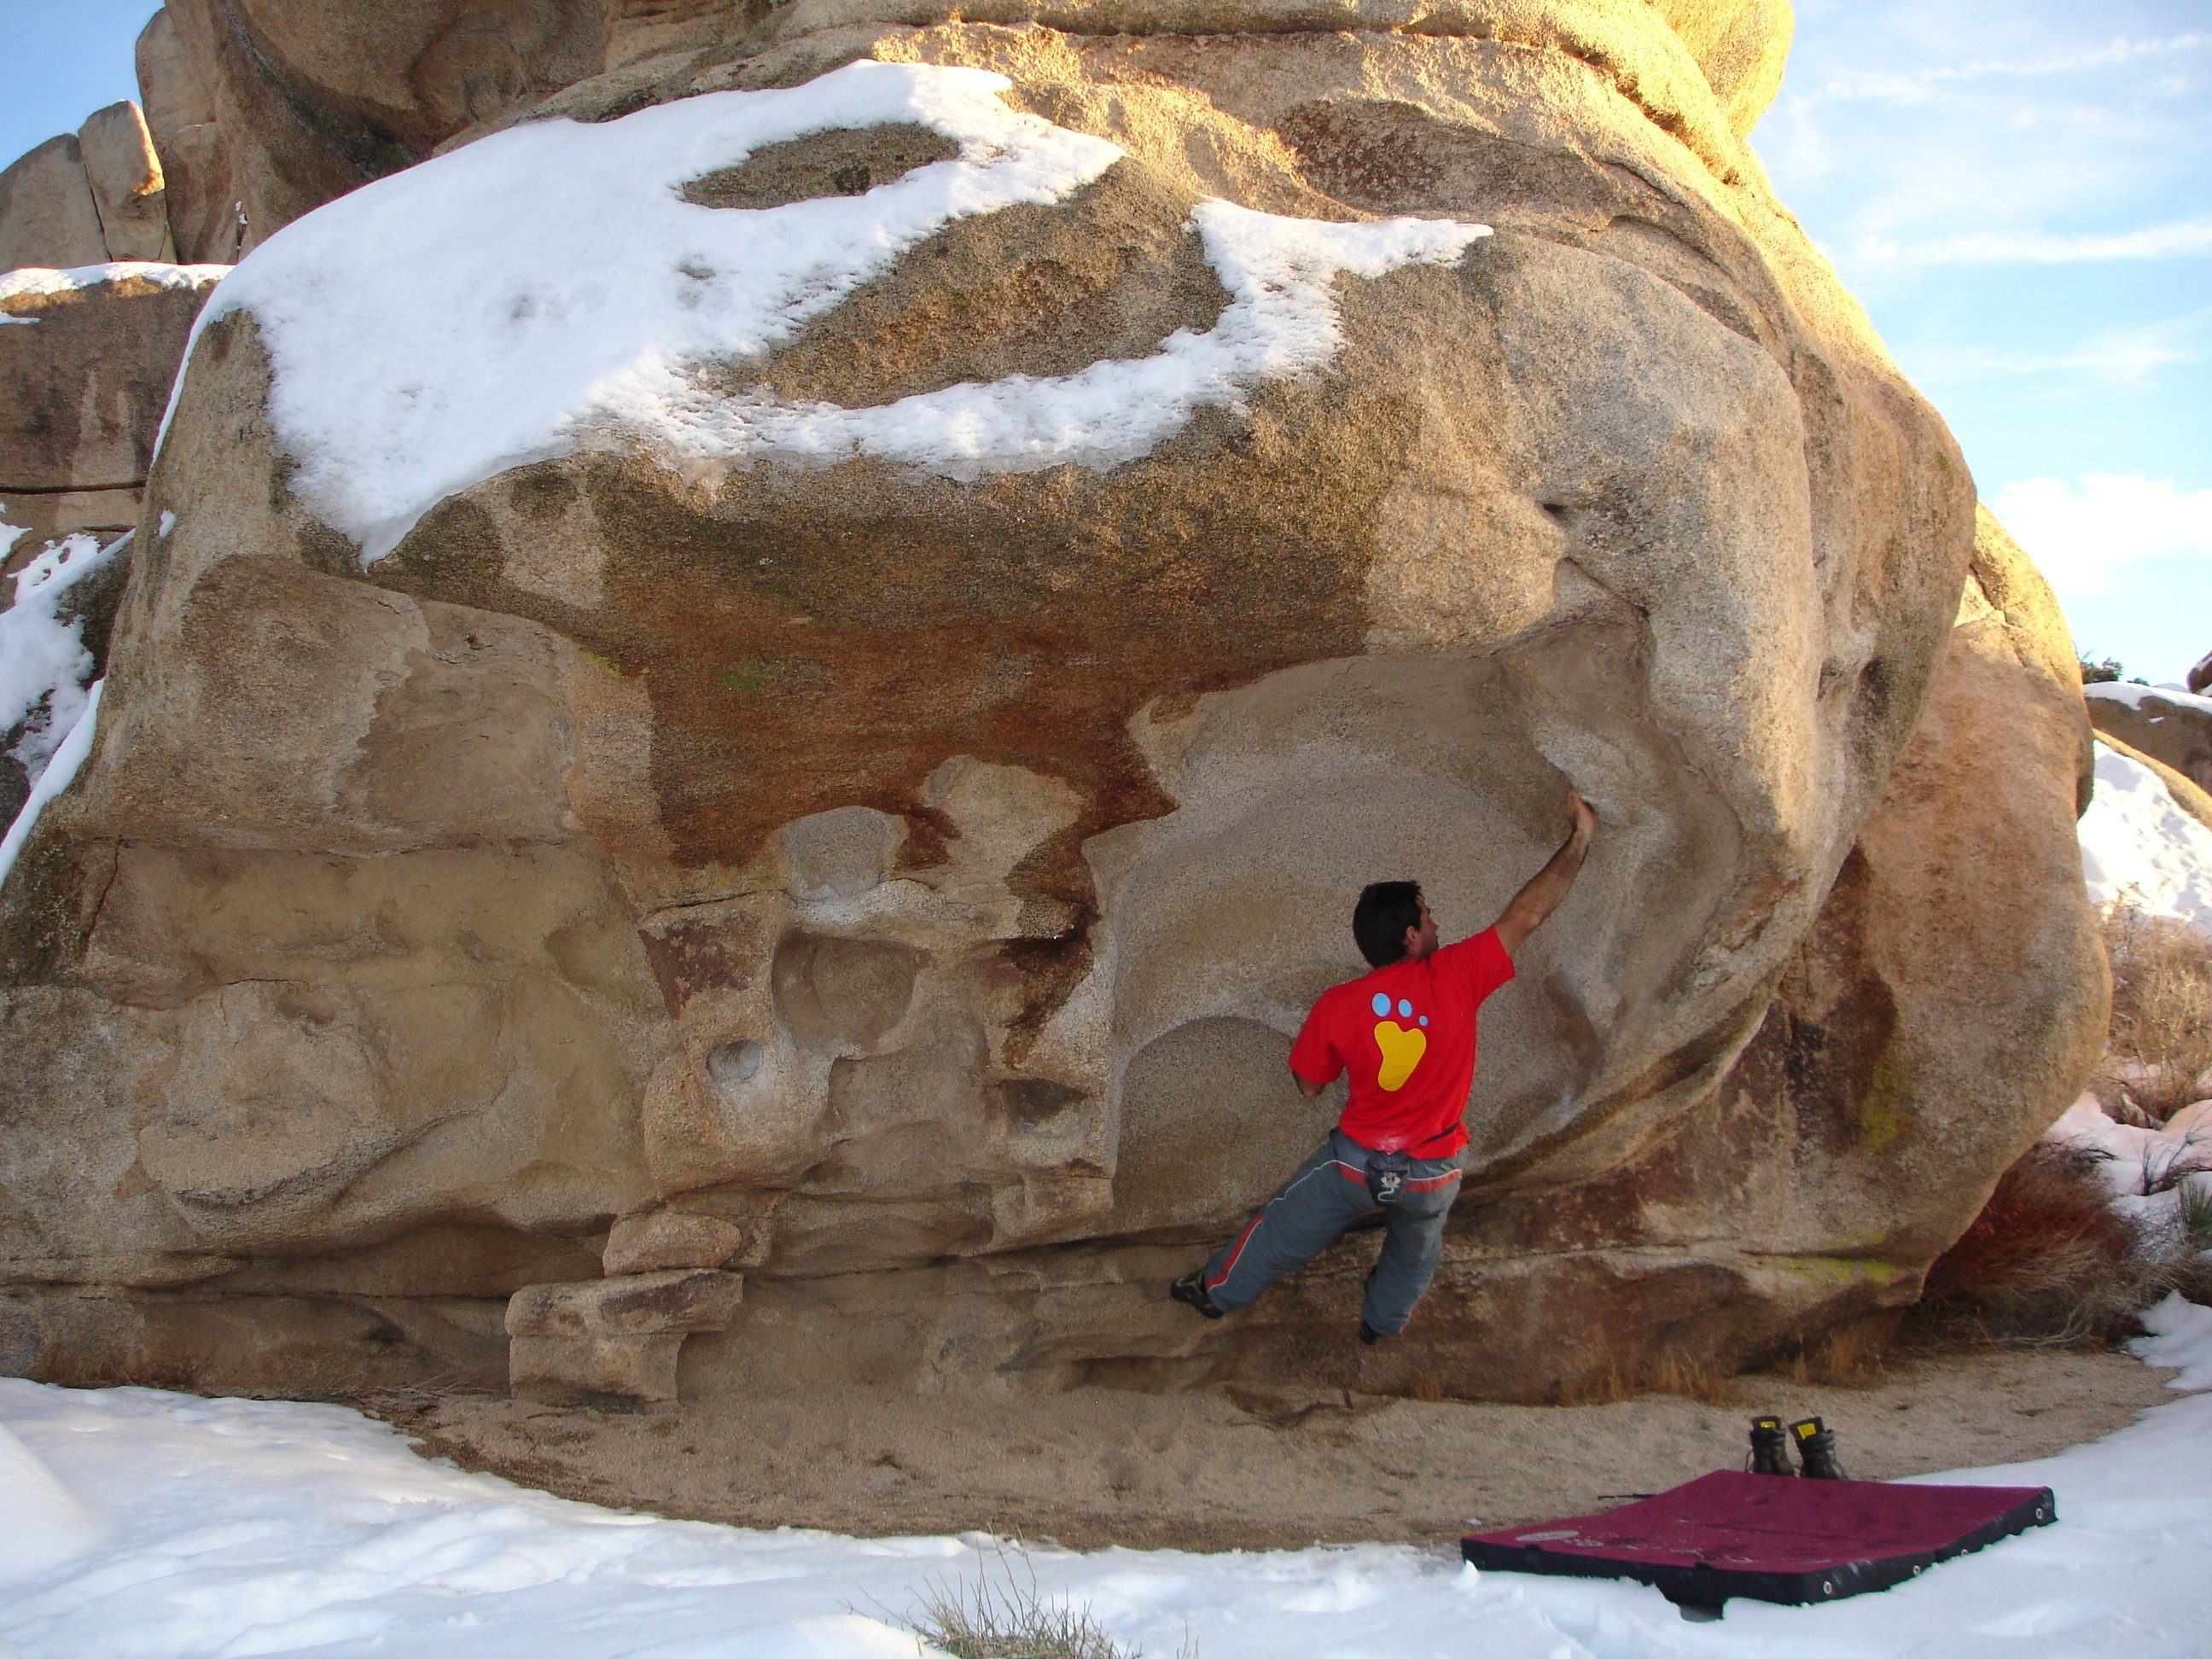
(1002,1615)
(2046,1261)
(2161,1010)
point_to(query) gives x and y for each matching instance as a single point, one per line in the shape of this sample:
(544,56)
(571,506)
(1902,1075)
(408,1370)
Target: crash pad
(1770,1537)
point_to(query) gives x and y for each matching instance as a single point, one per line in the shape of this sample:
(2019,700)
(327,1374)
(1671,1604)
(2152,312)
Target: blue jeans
(1311,1210)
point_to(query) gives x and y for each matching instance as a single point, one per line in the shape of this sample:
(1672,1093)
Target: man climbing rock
(1405,1035)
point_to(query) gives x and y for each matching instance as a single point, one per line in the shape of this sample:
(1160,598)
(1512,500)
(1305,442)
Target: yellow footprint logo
(1401,1051)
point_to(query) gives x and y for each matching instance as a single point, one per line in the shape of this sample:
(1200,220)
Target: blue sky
(2021,194)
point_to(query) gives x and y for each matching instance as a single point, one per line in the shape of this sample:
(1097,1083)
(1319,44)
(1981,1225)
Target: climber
(1406,1034)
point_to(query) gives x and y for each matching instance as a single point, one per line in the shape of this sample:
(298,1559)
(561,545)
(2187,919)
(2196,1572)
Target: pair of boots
(1816,1449)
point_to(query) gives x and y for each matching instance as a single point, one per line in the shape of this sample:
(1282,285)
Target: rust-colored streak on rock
(686,961)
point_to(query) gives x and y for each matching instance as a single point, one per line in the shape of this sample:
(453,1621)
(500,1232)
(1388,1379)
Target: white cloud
(2081,534)
(1918,84)
(2040,247)
(2118,354)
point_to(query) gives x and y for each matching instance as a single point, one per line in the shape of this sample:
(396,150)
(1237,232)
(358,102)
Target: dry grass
(2162,1014)
(1666,1373)
(1851,1355)
(1003,1616)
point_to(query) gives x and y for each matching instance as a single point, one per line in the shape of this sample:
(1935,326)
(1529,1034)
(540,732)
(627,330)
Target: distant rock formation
(751,726)
(2173,726)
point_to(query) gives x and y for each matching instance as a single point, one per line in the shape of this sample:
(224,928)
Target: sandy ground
(1240,1468)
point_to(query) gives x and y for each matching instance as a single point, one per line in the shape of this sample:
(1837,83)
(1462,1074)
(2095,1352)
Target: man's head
(1391,923)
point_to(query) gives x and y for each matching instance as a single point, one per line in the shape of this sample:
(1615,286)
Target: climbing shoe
(1770,1448)
(1816,1449)
(1369,1334)
(1190,1291)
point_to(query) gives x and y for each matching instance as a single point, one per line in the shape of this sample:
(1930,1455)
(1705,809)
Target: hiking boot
(1190,1291)
(1816,1449)
(1369,1334)
(1770,1448)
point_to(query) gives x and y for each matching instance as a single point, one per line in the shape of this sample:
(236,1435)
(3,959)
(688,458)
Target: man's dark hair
(1386,909)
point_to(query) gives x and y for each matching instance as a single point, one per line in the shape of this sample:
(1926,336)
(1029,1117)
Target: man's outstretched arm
(1549,885)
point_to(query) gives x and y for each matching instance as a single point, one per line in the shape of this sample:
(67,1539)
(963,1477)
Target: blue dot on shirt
(1404,1009)
(1381,1003)
(1424,1019)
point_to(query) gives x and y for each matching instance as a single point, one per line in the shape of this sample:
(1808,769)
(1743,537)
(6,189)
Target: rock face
(872,803)
(2172,728)
(47,215)
(86,366)
(272,108)
(127,183)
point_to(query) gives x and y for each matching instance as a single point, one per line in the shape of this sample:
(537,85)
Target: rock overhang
(1616,495)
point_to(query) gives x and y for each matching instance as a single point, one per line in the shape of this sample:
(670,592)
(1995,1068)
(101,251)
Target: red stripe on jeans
(1229,1264)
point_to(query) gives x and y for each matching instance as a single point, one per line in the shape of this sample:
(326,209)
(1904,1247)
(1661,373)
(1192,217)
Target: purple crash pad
(1769,1537)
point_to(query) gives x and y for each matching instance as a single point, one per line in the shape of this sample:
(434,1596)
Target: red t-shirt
(1406,1034)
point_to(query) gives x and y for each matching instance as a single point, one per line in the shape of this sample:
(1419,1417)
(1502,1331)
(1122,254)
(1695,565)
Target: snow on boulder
(2140,847)
(47,688)
(455,321)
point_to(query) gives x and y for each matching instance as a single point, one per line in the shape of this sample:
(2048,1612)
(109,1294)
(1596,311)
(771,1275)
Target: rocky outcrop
(47,215)
(87,361)
(2172,727)
(128,185)
(271,108)
(615,1340)
(869,801)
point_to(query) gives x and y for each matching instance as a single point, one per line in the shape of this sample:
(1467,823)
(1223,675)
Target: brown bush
(2047,1260)
(2161,1010)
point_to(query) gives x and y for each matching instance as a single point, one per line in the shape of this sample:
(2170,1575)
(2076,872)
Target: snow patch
(60,772)
(2132,1159)
(1281,321)
(2180,1334)
(39,281)
(548,286)
(43,666)
(2138,844)
(42,1522)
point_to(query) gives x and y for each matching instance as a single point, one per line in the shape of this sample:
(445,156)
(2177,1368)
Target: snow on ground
(143,1524)
(547,285)
(2181,1335)
(44,668)
(2136,843)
